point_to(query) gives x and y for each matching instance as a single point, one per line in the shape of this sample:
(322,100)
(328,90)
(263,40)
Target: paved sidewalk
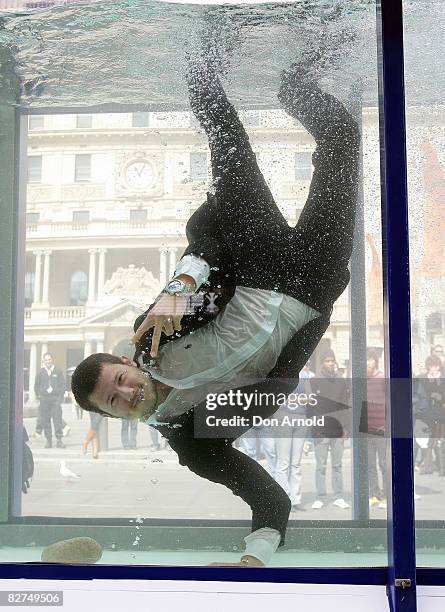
(127,483)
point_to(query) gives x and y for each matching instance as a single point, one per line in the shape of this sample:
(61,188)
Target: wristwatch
(178,287)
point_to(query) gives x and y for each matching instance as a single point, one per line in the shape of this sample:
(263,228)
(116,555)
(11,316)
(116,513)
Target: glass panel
(84,121)
(113,212)
(198,166)
(36,122)
(81,217)
(82,170)
(426,188)
(35,169)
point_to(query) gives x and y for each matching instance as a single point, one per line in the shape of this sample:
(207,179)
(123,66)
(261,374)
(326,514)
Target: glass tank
(119,120)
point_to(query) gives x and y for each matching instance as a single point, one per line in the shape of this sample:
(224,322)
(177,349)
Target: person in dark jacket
(243,248)
(429,403)
(332,391)
(50,387)
(376,410)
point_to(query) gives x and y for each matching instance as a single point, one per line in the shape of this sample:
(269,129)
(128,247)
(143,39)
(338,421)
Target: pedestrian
(129,430)
(330,388)
(376,408)
(49,387)
(290,442)
(93,435)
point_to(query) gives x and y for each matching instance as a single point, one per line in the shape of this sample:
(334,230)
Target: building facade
(107,200)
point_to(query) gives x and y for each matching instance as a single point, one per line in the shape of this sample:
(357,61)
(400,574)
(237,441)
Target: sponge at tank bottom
(75,550)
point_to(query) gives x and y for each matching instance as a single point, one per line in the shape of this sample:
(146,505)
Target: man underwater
(275,286)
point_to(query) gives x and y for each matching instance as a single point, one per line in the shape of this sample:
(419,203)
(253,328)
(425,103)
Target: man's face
(370,366)
(434,370)
(329,364)
(438,351)
(48,361)
(123,391)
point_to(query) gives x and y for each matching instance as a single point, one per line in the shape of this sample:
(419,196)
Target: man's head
(433,364)
(372,361)
(438,352)
(328,361)
(47,360)
(113,386)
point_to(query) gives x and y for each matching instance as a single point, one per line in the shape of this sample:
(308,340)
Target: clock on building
(139,174)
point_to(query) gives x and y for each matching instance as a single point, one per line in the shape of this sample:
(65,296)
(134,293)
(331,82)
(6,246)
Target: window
(140,120)
(84,121)
(251,119)
(78,288)
(81,217)
(34,169)
(32,219)
(303,166)
(194,123)
(138,215)
(82,172)
(36,122)
(29,288)
(198,166)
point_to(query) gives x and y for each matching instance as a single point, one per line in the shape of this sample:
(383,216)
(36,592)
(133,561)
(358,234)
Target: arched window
(29,289)
(78,288)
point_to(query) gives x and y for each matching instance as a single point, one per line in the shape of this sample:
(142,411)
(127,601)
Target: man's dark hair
(371,353)
(85,377)
(432,360)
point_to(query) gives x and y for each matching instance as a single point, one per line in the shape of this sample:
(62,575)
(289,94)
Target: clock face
(139,174)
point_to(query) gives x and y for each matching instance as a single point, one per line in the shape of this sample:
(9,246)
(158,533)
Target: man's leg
(295,465)
(324,232)
(283,449)
(381,454)
(374,489)
(56,413)
(337,448)
(321,449)
(124,433)
(310,261)
(268,448)
(133,433)
(240,209)
(219,462)
(247,443)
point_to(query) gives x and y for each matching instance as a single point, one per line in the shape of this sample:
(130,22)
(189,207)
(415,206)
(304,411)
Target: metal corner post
(401,585)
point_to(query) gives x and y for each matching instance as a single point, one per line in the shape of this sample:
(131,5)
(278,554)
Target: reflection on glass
(119,197)
(426,190)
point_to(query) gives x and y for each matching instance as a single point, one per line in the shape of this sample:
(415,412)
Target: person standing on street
(49,387)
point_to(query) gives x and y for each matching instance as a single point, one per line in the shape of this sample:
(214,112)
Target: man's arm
(61,384)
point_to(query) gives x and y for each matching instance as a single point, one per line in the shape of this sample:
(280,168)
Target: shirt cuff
(262,543)
(194,266)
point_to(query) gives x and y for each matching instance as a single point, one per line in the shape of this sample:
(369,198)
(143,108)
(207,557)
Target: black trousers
(50,409)
(308,262)
(377,453)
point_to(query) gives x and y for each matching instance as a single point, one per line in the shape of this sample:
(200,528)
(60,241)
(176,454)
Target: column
(45,291)
(100,346)
(87,349)
(172,262)
(163,266)
(32,370)
(38,276)
(92,276)
(43,351)
(101,274)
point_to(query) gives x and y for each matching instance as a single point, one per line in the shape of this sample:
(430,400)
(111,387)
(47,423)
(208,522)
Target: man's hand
(165,317)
